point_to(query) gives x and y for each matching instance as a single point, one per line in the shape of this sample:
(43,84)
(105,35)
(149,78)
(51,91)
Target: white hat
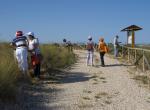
(30,33)
(89,37)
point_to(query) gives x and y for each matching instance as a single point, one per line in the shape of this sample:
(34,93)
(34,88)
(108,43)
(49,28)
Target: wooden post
(143,61)
(133,39)
(128,55)
(127,37)
(135,57)
(122,51)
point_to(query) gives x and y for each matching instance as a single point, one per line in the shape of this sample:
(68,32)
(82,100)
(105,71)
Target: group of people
(102,48)
(24,44)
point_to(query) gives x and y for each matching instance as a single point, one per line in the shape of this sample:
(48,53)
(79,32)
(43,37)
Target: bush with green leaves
(8,72)
(55,57)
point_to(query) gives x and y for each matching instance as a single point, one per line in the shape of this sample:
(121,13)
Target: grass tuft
(143,79)
(8,73)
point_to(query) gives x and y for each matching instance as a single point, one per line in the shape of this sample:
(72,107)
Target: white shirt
(34,45)
(115,41)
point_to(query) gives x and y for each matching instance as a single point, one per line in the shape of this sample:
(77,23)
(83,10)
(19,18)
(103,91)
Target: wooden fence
(136,56)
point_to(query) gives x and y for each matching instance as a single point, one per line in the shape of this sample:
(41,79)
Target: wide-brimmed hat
(89,37)
(30,33)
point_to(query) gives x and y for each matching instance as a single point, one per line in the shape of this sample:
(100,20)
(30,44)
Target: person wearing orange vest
(102,47)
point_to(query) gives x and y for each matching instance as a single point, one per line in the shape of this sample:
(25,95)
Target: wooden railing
(136,56)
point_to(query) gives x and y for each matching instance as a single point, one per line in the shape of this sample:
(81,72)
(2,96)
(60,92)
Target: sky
(75,20)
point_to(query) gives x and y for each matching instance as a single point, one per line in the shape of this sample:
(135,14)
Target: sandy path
(91,88)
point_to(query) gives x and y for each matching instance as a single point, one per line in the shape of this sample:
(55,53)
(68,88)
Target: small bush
(53,57)
(56,57)
(8,72)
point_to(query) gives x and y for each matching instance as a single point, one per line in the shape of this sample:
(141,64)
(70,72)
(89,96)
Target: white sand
(95,88)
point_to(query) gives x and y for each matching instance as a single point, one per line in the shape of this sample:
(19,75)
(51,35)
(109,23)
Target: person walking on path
(68,45)
(35,54)
(102,47)
(90,51)
(21,46)
(116,46)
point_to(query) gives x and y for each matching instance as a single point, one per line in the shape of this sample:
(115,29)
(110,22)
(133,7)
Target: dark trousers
(102,58)
(37,70)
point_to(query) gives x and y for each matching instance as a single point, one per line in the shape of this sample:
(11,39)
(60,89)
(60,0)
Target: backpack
(103,47)
(89,46)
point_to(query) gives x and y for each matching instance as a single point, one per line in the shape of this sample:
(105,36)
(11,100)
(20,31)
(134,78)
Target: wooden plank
(146,61)
(140,49)
(143,62)
(122,51)
(135,57)
(138,60)
(128,54)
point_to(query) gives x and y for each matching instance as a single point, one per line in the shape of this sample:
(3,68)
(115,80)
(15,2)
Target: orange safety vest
(103,47)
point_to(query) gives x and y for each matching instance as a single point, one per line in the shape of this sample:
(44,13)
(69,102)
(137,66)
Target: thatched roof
(132,28)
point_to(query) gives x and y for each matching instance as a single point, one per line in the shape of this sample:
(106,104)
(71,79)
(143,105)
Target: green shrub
(53,57)
(56,57)
(8,72)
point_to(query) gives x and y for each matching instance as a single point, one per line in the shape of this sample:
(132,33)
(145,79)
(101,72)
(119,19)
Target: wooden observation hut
(131,34)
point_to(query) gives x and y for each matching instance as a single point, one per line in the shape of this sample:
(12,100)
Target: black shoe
(103,65)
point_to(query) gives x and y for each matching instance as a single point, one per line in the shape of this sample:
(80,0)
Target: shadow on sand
(113,65)
(41,95)
(70,77)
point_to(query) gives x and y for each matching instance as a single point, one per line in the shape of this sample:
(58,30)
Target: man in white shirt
(20,44)
(116,45)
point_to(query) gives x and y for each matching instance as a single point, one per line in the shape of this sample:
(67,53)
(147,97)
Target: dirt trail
(91,88)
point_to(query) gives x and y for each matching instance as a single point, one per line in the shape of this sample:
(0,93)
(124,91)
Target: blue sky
(53,20)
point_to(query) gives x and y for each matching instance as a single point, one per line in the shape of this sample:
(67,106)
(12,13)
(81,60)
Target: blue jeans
(89,58)
(115,51)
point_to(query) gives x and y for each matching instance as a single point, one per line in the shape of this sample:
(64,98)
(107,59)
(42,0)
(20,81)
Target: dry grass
(56,57)
(142,78)
(87,91)
(101,94)
(102,78)
(104,81)
(94,76)
(108,102)
(86,98)
(98,97)
(94,83)
(53,57)
(8,72)
(83,105)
